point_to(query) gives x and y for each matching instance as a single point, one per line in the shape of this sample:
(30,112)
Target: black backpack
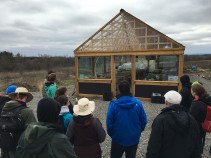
(60,123)
(11,127)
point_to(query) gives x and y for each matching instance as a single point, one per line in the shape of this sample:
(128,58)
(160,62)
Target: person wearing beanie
(45,138)
(185,92)
(3,100)
(174,133)
(125,121)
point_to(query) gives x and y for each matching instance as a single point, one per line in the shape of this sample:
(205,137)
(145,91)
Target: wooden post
(76,77)
(113,77)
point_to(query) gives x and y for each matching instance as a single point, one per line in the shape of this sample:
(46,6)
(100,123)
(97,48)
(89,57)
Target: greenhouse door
(123,67)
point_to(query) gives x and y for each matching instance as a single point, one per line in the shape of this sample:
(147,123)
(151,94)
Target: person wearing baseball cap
(173,131)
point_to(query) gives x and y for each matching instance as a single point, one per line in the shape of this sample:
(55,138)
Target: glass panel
(157,68)
(123,67)
(94,67)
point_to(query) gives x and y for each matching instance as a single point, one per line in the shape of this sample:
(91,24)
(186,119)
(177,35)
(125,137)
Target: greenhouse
(126,48)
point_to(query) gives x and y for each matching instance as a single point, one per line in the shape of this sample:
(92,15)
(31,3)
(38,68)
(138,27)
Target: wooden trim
(133,75)
(113,77)
(76,77)
(160,83)
(97,32)
(89,95)
(143,53)
(95,81)
(144,99)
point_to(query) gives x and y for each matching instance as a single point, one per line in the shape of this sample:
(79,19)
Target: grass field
(33,80)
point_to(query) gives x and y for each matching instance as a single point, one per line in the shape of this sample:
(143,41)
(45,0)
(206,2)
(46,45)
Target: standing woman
(50,86)
(199,108)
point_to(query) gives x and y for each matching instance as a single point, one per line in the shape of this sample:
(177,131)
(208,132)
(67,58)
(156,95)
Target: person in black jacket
(174,132)
(199,108)
(185,92)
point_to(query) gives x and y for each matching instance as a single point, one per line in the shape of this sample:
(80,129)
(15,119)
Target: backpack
(206,125)
(60,123)
(11,127)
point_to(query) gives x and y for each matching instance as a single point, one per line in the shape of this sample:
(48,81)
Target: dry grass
(33,80)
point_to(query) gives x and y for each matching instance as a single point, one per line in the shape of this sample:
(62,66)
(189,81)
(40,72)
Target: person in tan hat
(18,106)
(175,133)
(85,131)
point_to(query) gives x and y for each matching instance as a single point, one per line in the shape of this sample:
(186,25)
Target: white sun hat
(84,107)
(21,90)
(173,97)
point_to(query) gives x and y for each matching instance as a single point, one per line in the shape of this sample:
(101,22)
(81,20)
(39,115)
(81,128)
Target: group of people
(66,131)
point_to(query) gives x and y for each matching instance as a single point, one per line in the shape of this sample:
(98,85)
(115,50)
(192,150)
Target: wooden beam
(94,81)
(113,77)
(160,83)
(76,77)
(133,75)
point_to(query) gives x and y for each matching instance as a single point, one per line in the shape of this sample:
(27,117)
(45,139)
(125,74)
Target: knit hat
(10,89)
(173,97)
(196,83)
(84,107)
(21,90)
(48,110)
(185,79)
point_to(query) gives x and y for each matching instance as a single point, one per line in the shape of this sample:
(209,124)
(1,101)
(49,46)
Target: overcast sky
(57,27)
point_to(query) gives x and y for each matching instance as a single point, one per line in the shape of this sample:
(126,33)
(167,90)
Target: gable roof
(125,32)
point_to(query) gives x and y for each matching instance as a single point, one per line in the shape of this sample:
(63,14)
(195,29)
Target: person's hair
(20,95)
(124,87)
(49,72)
(62,99)
(51,77)
(60,91)
(200,91)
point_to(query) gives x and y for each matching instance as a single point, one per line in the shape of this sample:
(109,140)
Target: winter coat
(85,133)
(50,89)
(125,120)
(185,92)
(26,113)
(3,100)
(198,110)
(174,134)
(44,140)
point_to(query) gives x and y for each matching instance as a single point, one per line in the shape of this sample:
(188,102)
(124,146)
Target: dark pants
(118,150)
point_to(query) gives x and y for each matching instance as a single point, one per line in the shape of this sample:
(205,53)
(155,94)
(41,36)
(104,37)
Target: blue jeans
(118,150)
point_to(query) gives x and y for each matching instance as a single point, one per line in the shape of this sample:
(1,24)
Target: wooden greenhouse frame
(126,35)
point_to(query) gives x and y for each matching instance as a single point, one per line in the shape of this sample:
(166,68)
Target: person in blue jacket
(125,121)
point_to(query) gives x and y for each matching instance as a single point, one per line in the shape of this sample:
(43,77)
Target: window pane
(94,67)
(157,68)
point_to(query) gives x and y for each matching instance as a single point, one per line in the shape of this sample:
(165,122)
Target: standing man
(14,118)
(175,133)
(125,121)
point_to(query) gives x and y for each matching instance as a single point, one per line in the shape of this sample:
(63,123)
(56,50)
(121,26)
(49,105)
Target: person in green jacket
(20,97)
(45,139)
(50,86)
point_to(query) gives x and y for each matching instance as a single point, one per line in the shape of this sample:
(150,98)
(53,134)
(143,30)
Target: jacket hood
(185,80)
(47,84)
(4,98)
(83,120)
(13,103)
(64,110)
(126,102)
(179,120)
(36,136)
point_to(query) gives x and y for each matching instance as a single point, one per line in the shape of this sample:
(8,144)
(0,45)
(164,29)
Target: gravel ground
(152,111)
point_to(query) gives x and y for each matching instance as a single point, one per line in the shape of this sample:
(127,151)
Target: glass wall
(94,67)
(157,68)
